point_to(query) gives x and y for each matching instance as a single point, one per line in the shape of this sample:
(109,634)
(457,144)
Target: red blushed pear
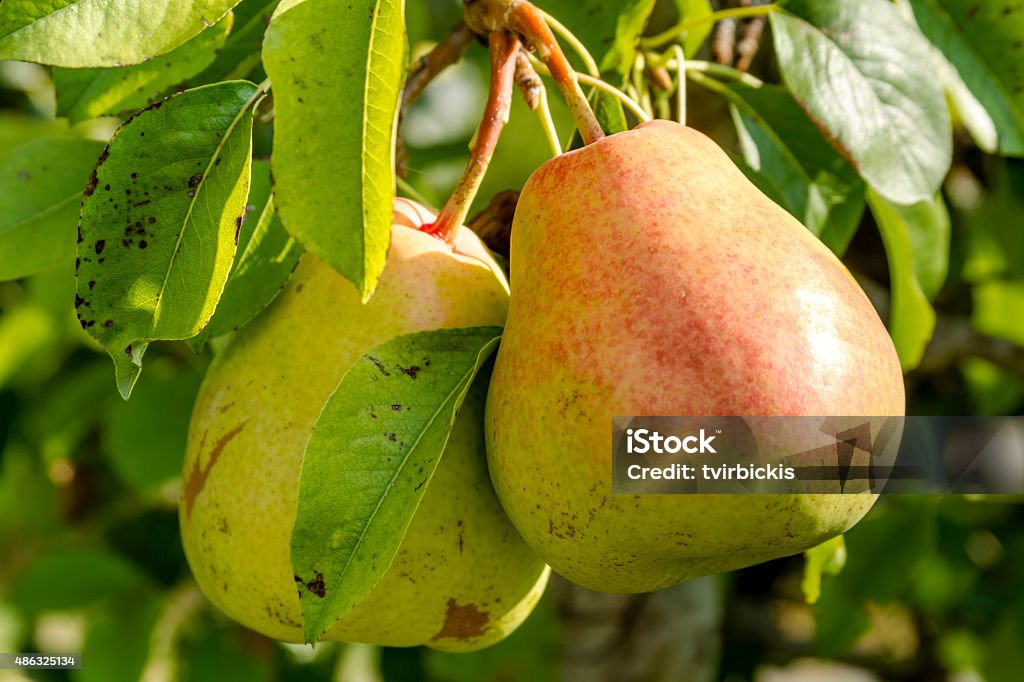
(463,578)
(650,277)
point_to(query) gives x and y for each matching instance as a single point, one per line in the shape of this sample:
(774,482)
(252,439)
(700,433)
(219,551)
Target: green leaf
(839,620)
(337,68)
(866,77)
(818,186)
(240,54)
(633,16)
(117,641)
(690,10)
(26,332)
(71,578)
(982,40)
(146,436)
(88,93)
(911,317)
(610,115)
(160,218)
(60,420)
(928,226)
(265,259)
(18,127)
(41,185)
(369,460)
(80,33)
(828,558)
(999,310)
(215,651)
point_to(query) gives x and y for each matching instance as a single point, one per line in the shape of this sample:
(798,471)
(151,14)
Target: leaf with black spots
(367,464)
(159,221)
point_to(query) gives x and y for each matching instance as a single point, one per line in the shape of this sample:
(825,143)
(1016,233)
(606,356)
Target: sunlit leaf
(865,76)
(88,93)
(81,33)
(369,461)
(160,218)
(337,68)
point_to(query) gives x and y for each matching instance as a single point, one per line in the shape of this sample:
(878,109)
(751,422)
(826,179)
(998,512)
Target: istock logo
(642,441)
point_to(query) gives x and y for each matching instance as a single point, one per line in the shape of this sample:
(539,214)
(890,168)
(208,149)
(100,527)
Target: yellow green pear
(651,278)
(463,578)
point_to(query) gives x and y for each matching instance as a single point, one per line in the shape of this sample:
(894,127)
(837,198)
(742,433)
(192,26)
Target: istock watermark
(816,455)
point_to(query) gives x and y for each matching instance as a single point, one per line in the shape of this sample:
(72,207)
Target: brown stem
(427,67)
(425,70)
(521,17)
(503,47)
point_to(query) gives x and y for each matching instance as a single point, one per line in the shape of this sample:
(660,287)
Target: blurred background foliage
(90,558)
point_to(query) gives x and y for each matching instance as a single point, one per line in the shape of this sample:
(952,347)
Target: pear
(463,578)
(649,277)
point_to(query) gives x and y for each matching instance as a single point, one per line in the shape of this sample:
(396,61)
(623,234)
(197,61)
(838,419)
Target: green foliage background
(90,558)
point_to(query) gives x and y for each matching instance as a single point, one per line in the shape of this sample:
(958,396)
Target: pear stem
(568,36)
(422,73)
(440,57)
(680,84)
(526,20)
(536,96)
(503,48)
(599,84)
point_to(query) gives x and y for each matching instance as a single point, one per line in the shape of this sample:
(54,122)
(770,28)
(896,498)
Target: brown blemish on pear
(196,480)
(462,622)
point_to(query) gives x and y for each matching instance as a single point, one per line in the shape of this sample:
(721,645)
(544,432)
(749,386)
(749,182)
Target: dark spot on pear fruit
(462,622)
